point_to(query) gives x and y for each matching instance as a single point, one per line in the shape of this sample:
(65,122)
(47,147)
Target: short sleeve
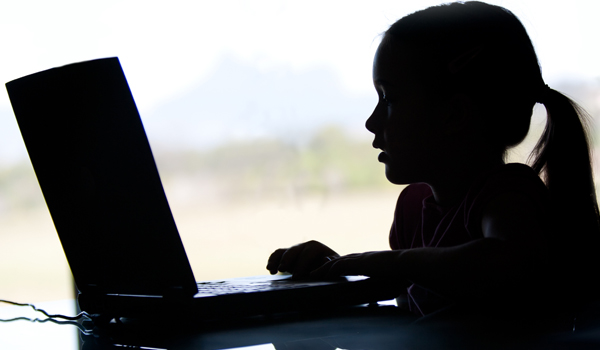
(407,216)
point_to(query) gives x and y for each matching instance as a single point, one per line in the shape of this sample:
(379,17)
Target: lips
(383,157)
(377,144)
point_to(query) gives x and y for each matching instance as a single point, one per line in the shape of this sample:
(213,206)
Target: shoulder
(512,190)
(510,214)
(407,215)
(515,174)
(418,191)
(509,178)
(412,196)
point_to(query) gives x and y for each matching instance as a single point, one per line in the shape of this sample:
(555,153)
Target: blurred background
(255,112)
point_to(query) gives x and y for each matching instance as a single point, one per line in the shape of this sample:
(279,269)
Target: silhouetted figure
(457,84)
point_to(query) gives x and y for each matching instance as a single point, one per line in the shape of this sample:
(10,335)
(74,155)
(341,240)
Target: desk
(383,327)
(27,335)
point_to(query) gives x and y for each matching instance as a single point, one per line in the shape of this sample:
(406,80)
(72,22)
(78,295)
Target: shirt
(420,222)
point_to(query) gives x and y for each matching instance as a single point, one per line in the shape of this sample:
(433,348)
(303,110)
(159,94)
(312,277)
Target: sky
(169,49)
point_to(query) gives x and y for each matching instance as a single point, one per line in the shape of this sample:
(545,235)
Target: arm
(512,251)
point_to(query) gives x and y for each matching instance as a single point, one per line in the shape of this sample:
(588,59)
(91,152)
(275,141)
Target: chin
(399,176)
(394,177)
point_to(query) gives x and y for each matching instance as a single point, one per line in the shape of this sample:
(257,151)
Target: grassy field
(233,206)
(221,240)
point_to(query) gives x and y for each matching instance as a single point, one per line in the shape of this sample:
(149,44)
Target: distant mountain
(240,101)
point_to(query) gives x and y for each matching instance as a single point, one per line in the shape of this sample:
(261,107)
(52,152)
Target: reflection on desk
(365,327)
(21,334)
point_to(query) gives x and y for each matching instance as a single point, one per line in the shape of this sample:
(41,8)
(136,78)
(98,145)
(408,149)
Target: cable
(84,330)
(70,318)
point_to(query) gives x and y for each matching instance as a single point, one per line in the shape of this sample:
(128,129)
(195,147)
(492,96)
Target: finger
(290,257)
(310,260)
(320,272)
(344,266)
(329,270)
(275,260)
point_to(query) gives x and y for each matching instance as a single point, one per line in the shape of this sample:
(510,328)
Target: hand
(300,259)
(372,264)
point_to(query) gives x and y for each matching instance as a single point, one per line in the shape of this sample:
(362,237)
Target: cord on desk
(83,329)
(70,318)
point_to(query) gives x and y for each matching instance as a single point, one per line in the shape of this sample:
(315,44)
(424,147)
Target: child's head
(457,84)
(472,56)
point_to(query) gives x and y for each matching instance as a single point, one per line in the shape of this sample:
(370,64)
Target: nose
(372,122)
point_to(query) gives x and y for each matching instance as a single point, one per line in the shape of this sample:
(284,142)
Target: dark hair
(484,51)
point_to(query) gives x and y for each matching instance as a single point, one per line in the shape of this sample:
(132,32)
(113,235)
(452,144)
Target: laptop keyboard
(227,287)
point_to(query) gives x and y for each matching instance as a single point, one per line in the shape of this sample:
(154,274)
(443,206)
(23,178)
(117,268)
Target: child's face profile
(406,118)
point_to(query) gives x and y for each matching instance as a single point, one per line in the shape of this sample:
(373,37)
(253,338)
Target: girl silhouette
(457,84)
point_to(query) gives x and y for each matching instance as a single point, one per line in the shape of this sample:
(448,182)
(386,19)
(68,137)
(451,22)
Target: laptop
(96,170)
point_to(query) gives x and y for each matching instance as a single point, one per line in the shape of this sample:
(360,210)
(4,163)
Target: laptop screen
(94,165)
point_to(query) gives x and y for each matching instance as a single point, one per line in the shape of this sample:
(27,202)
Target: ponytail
(562,157)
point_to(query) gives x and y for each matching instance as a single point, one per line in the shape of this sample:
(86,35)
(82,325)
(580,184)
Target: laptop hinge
(178,292)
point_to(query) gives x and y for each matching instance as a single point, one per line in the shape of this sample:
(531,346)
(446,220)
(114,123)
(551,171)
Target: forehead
(401,67)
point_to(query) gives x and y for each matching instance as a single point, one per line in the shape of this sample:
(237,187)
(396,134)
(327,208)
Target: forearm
(477,269)
(480,268)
